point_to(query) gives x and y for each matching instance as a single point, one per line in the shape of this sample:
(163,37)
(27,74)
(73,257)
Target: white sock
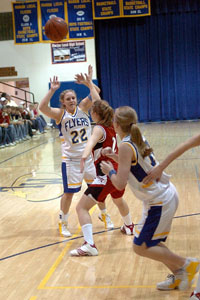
(63,217)
(127,220)
(197,289)
(87,233)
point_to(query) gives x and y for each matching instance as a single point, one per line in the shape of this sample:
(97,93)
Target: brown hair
(104,111)
(127,118)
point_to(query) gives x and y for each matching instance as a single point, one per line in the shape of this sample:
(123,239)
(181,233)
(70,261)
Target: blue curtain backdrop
(152,63)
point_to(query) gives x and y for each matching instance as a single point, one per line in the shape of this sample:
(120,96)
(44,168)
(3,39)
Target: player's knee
(117,201)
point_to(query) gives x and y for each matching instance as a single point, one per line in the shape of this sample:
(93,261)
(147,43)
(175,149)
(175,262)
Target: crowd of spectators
(19,123)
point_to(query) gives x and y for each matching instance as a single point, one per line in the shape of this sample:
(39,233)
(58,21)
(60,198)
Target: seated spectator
(28,123)
(3,101)
(37,114)
(9,102)
(37,123)
(7,133)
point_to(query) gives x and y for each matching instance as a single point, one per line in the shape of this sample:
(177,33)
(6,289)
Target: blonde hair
(127,118)
(104,111)
(62,95)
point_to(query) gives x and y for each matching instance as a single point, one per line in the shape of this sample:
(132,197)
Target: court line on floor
(78,237)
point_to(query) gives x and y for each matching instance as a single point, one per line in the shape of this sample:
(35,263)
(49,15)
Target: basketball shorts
(101,187)
(72,177)
(156,223)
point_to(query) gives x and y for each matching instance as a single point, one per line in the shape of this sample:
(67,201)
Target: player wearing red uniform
(103,136)
(102,186)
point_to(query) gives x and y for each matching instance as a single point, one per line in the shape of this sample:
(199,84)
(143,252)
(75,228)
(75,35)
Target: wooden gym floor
(35,262)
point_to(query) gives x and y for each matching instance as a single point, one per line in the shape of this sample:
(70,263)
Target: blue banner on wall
(48,9)
(25,22)
(106,9)
(80,19)
(29,18)
(136,8)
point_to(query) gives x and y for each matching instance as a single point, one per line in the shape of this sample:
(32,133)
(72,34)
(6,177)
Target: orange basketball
(56,29)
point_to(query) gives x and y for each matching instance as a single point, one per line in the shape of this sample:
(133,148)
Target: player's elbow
(120,186)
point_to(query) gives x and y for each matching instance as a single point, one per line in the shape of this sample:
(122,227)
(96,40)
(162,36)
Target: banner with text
(68,52)
(50,8)
(80,19)
(123,8)
(106,9)
(136,8)
(29,18)
(25,22)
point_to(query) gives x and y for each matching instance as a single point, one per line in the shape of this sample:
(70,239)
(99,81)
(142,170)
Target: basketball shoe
(195,296)
(170,283)
(184,277)
(64,232)
(127,229)
(85,250)
(107,220)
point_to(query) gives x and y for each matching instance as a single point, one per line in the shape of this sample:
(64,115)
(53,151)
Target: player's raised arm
(86,79)
(54,113)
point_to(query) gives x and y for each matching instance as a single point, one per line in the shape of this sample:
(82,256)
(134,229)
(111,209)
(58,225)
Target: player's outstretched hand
(55,84)
(79,78)
(154,174)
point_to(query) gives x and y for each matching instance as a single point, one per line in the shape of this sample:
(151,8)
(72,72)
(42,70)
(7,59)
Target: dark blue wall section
(152,63)
(81,91)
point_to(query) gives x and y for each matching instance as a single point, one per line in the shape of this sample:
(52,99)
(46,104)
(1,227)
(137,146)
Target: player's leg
(88,248)
(123,208)
(65,204)
(149,235)
(72,179)
(104,216)
(89,176)
(183,269)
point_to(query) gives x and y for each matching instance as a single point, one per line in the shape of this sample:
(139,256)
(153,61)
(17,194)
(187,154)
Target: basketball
(56,29)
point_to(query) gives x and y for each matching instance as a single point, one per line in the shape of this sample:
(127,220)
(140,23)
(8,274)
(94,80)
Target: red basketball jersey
(109,139)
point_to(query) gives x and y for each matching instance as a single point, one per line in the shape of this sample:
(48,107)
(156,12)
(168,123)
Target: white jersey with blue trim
(75,130)
(154,193)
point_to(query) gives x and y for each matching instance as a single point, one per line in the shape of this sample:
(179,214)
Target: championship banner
(106,9)
(25,22)
(80,19)
(136,8)
(50,8)
(68,52)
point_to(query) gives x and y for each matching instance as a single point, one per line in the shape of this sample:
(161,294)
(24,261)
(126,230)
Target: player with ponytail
(160,200)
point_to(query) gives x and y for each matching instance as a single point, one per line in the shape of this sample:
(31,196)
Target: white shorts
(72,177)
(156,223)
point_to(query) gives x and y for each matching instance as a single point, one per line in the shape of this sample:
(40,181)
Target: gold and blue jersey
(154,193)
(75,130)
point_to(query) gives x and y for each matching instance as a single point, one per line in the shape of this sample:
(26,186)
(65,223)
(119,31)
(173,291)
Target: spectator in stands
(4,101)
(10,102)
(37,114)
(38,125)
(28,123)
(8,138)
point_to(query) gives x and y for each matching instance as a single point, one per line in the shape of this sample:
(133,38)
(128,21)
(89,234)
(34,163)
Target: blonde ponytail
(126,117)
(137,138)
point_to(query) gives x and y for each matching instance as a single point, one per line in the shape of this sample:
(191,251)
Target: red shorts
(101,187)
